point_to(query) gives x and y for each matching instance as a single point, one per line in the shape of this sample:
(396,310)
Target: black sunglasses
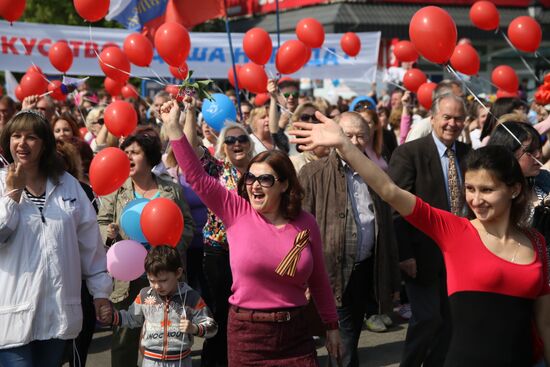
(230,140)
(293,94)
(265,180)
(307,118)
(363,106)
(100,122)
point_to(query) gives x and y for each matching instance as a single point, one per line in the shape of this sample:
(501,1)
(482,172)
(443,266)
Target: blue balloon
(218,111)
(129,220)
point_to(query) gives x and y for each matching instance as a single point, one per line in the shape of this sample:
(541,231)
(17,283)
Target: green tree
(58,12)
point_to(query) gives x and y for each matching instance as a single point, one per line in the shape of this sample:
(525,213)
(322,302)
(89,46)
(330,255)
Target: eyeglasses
(230,140)
(293,94)
(265,180)
(307,118)
(363,107)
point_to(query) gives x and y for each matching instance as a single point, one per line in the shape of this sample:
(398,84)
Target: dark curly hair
(291,199)
(148,139)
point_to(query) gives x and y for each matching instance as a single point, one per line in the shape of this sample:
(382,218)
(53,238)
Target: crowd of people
(305,221)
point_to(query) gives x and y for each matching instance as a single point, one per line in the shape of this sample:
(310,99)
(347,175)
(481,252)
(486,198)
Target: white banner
(26,43)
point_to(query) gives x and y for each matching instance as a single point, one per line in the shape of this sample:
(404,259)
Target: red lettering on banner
(28,45)
(76,47)
(43,42)
(90,49)
(9,45)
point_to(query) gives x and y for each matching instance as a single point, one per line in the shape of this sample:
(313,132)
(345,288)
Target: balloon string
(450,69)
(163,82)
(350,61)
(396,85)
(520,56)
(538,54)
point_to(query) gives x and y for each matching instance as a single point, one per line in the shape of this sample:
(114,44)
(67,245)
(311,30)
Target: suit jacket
(326,197)
(416,167)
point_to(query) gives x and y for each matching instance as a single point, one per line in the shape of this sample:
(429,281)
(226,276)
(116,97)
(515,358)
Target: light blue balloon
(129,220)
(219,110)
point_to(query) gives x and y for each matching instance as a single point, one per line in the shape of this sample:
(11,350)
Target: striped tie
(452,182)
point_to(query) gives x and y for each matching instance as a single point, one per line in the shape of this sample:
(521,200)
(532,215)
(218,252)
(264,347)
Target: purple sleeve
(404,128)
(225,204)
(318,282)
(439,224)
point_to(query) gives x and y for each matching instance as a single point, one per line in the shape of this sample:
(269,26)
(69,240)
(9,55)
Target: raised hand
(30,102)
(15,181)
(170,115)
(326,133)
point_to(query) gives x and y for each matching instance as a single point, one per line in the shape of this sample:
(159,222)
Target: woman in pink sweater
(276,253)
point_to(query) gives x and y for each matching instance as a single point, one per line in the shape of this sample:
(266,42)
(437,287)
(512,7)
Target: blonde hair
(258,112)
(220,152)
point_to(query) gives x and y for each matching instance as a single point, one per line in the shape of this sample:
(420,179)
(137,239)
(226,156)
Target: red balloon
(413,79)
(115,64)
(258,46)
(350,44)
(505,94)
(290,57)
(129,91)
(231,77)
(138,49)
(180,72)
(525,33)
(33,84)
(113,87)
(92,10)
(310,32)
(11,10)
(19,93)
(120,118)
(253,78)
(172,43)
(108,170)
(425,94)
(61,56)
(404,51)
(465,59)
(261,99)
(504,77)
(34,69)
(56,93)
(173,90)
(433,33)
(162,222)
(484,15)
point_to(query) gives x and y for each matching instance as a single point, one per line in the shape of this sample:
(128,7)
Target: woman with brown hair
(376,140)
(276,252)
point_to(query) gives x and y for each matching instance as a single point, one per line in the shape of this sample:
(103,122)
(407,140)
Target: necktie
(452,182)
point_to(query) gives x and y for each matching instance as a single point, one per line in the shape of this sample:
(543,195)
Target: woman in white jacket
(49,241)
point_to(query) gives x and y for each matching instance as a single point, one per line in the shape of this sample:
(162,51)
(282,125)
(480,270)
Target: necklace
(518,245)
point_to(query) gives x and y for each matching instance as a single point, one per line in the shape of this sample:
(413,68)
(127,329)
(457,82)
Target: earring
(514,195)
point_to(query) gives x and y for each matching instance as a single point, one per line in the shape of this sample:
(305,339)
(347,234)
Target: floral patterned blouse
(214,229)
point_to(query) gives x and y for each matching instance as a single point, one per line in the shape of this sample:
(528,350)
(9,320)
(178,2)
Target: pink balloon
(125,260)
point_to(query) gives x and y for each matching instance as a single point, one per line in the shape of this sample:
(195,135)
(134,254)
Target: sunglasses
(230,140)
(293,94)
(100,122)
(307,118)
(265,180)
(363,107)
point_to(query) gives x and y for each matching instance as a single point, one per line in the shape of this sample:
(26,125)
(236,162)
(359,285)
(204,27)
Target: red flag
(189,13)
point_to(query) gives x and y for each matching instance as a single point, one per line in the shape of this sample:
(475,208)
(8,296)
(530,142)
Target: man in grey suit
(429,167)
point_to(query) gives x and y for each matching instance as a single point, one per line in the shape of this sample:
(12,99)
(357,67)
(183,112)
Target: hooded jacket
(160,317)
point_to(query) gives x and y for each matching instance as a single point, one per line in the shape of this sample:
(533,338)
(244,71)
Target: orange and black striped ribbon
(290,262)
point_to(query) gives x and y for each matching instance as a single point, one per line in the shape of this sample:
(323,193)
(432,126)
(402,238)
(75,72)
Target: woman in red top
(497,269)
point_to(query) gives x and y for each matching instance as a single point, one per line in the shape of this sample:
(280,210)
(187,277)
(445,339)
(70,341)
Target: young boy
(170,311)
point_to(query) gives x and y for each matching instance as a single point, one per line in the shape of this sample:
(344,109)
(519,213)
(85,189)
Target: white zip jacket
(43,259)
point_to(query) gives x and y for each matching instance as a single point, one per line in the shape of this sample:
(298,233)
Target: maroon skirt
(270,344)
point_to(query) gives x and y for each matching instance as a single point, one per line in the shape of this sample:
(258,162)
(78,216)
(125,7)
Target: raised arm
(329,133)
(225,204)
(190,126)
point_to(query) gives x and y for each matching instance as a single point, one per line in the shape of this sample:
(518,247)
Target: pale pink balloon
(125,260)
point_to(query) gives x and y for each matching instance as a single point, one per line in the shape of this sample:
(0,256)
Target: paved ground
(375,349)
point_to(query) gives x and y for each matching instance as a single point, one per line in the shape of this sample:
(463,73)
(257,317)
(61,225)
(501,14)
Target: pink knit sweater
(257,247)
